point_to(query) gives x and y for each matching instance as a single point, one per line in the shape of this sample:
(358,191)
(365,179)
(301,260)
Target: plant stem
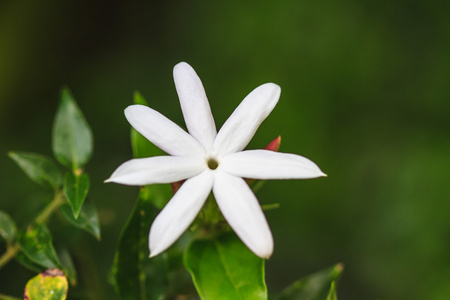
(50,208)
(13,249)
(5,297)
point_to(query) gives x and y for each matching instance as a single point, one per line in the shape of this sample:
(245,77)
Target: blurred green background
(365,95)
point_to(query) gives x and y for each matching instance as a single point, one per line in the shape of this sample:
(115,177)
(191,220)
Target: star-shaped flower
(210,160)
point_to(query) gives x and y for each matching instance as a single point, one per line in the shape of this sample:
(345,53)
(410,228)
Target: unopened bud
(176,185)
(274,145)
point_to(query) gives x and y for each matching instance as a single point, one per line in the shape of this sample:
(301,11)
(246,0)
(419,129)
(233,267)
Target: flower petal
(241,209)
(162,132)
(157,169)
(179,213)
(265,164)
(241,126)
(194,104)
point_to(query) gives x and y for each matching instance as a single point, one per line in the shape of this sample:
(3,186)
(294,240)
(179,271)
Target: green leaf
(72,139)
(8,229)
(313,287)
(140,145)
(39,168)
(136,276)
(76,188)
(27,263)
(48,285)
(332,293)
(68,265)
(87,219)
(224,268)
(36,244)
(157,194)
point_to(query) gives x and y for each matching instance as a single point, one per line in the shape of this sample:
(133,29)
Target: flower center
(212,163)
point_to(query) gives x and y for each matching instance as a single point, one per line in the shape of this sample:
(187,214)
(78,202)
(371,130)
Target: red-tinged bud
(176,185)
(274,145)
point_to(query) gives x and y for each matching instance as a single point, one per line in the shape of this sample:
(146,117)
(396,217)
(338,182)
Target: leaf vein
(227,270)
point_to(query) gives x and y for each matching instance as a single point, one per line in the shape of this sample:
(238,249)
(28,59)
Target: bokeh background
(365,95)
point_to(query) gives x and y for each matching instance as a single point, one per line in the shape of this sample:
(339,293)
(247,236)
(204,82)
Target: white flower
(210,160)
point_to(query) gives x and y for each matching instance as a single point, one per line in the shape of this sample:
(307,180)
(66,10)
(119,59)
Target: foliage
(209,262)
(72,137)
(8,228)
(224,268)
(318,286)
(48,285)
(135,275)
(32,246)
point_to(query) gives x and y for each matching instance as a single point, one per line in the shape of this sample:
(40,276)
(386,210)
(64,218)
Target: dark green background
(365,95)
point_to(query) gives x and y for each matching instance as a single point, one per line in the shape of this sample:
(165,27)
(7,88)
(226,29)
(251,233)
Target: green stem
(211,211)
(50,208)
(267,207)
(13,249)
(5,297)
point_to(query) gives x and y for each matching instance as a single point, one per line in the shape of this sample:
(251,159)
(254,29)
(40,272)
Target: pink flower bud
(274,145)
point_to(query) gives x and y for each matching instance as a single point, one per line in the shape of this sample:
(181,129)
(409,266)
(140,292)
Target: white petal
(162,132)
(179,213)
(241,126)
(158,169)
(194,104)
(265,164)
(241,209)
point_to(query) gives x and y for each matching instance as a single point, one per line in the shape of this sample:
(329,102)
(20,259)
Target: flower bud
(274,145)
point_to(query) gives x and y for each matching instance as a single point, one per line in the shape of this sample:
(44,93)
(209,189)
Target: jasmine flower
(210,161)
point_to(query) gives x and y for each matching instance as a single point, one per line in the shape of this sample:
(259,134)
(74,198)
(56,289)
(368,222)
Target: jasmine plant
(197,230)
